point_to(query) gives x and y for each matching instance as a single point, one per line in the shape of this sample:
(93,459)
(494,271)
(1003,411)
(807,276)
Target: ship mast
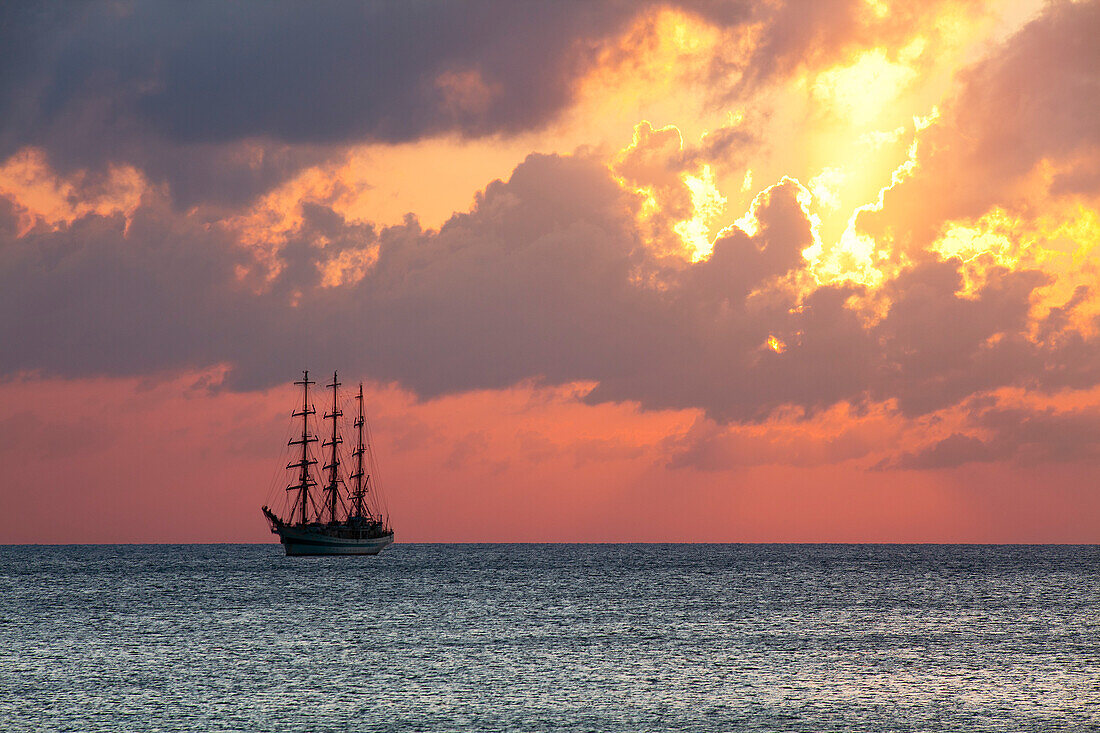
(303,464)
(360,449)
(333,466)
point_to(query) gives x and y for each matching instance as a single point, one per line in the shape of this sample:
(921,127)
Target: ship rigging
(334,519)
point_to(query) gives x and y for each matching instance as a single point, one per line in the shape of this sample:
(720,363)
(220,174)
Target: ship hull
(305,542)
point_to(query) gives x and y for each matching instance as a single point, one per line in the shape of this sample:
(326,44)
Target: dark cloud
(941,346)
(1024,436)
(1039,97)
(91,299)
(1044,435)
(545,278)
(168,87)
(953,451)
(173,88)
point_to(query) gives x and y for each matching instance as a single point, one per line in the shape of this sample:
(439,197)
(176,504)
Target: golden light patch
(826,186)
(878,9)
(269,223)
(635,170)
(687,203)
(660,48)
(1065,243)
(348,267)
(276,217)
(776,345)
(856,257)
(860,91)
(380,184)
(1062,242)
(986,244)
(707,205)
(988,236)
(661,67)
(877,138)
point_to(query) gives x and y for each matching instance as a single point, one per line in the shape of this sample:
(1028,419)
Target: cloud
(1043,435)
(954,450)
(941,346)
(680,203)
(1020,434)
(225,100)
(1032,102)
(171,89)
(546,278)
(788,438)
(549,276)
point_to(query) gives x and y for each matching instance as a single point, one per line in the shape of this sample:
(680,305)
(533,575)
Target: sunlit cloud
(707,205)
(43,196)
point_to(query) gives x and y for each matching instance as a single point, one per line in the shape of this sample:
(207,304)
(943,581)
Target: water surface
(551,638)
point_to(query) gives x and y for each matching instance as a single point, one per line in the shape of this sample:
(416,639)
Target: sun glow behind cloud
(707,205)
(860,91)
(653,70)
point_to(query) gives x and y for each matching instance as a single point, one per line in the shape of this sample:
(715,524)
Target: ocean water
(551,638)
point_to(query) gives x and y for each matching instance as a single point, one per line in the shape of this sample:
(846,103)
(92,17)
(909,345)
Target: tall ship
(344,515)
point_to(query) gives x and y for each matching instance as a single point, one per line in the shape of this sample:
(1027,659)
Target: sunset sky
(619,271)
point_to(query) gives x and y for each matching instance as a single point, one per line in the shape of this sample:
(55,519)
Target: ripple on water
(551,637)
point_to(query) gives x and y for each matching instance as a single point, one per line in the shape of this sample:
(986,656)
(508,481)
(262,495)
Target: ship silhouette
(336,517)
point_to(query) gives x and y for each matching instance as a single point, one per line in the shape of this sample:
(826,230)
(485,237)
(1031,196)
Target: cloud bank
(555,274)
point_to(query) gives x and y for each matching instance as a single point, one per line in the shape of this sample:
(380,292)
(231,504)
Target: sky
(609,271)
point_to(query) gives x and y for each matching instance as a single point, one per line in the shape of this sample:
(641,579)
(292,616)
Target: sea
(553,637)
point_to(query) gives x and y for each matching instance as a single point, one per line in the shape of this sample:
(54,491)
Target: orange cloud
(43,197)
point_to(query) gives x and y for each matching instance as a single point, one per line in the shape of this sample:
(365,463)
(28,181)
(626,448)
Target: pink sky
(120,460)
